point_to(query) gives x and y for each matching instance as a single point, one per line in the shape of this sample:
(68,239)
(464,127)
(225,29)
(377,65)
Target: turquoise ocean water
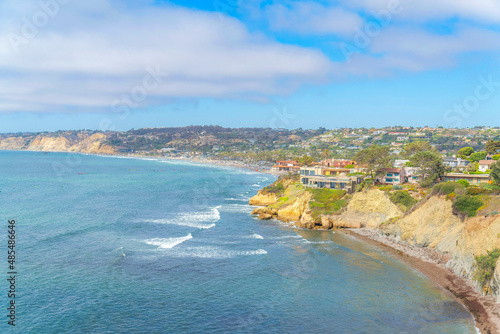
(116,245)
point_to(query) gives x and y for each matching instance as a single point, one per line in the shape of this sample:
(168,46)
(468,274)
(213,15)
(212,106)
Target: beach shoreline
(232,163)
(484,309)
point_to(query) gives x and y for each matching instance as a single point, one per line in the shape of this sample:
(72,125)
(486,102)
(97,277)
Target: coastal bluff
(81,142)
(431,224)
(290,201)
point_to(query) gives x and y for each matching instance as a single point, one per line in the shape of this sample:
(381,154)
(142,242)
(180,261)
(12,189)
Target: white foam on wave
(238,208)
(215,252)
(255,236)
(192,219)
(289,237)
(255,185)
(167,243)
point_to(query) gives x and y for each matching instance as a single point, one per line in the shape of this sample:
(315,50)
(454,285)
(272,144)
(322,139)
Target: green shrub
(313,204)
(278,188)
(485,266)
(465,183)
(488,186)
(326,201)
(397,187)
(466,205)
(402,197)
(446,188)
(326,196)
(337,205)
(474,191)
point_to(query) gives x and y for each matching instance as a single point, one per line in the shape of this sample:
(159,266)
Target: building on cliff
(337,163)
(390,176)
(485,165)
(286,166)
(471,178)
(316,177)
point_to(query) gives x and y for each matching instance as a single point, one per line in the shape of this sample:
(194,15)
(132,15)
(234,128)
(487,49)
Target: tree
(495,172)
(374,159)
(492,146)
(475,157)
(465,152)
(305,160)
(417,146)
(429,165)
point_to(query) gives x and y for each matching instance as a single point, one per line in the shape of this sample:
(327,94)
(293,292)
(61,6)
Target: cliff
(83,142)
(431,224)
(368,209)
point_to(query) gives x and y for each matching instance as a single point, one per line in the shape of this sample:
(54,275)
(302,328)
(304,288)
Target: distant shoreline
(484,310)
(232,163)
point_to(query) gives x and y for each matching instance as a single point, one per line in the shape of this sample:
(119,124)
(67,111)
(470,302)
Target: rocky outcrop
(295,210)
(369,208)
(263,198)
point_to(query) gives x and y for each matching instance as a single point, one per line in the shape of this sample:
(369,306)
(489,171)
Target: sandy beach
(486,310)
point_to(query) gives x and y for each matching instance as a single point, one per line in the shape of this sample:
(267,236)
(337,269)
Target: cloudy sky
(110,64)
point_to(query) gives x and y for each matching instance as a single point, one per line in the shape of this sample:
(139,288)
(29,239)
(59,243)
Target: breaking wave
(167,243)
(192,219)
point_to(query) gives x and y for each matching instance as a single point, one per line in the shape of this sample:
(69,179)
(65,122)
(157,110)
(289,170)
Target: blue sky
(110,64)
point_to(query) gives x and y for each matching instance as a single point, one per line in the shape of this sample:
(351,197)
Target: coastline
(232,163)
(485,310)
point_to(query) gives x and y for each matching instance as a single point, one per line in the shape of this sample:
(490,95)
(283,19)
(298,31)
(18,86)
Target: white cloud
(88,57)
(423,10)
(312,18)
(414,50)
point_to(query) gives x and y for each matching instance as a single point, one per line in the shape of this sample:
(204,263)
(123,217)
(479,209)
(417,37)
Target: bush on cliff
(485,266)
(474,190)
(466,205)
(403,198)
(274,188)
(465,183)
(448,188)
(326,201)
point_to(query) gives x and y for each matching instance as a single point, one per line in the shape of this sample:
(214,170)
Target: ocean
(122,245)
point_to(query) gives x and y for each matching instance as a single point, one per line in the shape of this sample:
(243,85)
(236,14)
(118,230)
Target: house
(400,163)
(337,163)
(456,162)
(286,166)
(485,165)
(341,181)
(410,175)
(390,176)
(471,178)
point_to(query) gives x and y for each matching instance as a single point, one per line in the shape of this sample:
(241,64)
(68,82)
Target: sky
(117,65)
